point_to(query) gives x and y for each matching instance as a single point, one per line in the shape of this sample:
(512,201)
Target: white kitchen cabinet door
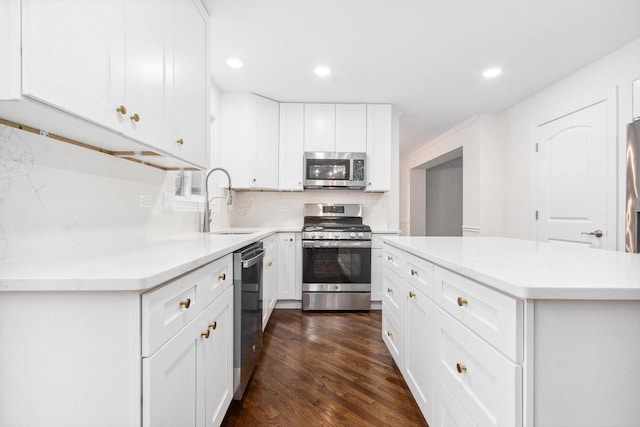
(170,379)
(378,148)
(218,360)
(265,160)
(187,77)
(289,266)
(376,274)
(269,278)
(418,348)
(73,57)
(145,80)
(447,412)
(291,147)
(319,127)
(351,128)
(249,140)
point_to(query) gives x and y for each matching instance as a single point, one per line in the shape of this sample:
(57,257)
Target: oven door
(336,265)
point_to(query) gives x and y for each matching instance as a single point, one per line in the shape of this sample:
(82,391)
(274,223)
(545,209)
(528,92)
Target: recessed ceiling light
(322,71)
(492,72)
(234,63)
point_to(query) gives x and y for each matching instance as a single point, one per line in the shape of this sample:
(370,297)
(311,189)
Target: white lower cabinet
(419,347)
(457,343)
(189,382)
(269,278)
(289,266)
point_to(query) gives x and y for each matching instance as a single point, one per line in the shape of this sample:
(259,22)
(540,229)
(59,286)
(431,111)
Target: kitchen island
(507,332)
(128,335)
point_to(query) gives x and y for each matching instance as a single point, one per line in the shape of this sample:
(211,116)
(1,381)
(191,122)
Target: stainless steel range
(336,258)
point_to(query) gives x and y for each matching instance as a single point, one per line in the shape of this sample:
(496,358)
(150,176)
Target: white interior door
(576,180)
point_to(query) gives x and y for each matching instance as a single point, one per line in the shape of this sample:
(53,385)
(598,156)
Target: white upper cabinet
(351,128)
(249,140)
(319,127)
(291,149)
(189,95)
(135,67)
(378,147)
(83,74)
(335,127)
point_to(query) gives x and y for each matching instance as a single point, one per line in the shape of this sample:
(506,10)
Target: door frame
(610,97)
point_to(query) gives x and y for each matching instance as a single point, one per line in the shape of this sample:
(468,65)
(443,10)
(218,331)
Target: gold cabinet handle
(205,334)
(461,368)
(253,180)
(270,263)
(222,277)
(414,272)
(389,258)
(291,240)
(389,290)
(412,294)
(389,333)
(213,325)
(135,117)
(180,141)
(462,301)
(369,183)
(185,303)
(122,110)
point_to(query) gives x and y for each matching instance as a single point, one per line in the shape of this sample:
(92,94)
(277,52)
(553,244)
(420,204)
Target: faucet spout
(206,226)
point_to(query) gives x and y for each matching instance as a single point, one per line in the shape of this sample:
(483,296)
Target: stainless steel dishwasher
(247,314)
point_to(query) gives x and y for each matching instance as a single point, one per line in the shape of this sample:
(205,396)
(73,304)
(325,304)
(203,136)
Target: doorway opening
(436,196)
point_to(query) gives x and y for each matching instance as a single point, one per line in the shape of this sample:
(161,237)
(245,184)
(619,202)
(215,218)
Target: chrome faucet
(206,226)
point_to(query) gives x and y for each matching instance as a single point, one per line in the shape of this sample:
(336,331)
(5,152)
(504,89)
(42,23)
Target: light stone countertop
(127,267)
(532,270)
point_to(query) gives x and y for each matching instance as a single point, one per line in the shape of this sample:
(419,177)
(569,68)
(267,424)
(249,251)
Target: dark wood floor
(325,369)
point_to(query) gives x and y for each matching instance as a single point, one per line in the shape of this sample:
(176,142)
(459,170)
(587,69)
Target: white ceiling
(424,56)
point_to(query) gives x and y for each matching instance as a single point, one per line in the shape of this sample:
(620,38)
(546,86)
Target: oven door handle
(246,263)
(336,244)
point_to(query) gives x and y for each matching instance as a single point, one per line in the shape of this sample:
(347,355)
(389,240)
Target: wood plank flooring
(325,369)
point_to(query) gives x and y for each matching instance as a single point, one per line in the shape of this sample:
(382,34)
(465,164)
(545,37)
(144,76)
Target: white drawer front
(168,309)
(447,412)
(419,273)
(486,383)
(393,259)
(497,318)
(269,243)
(395,291)
(392,337)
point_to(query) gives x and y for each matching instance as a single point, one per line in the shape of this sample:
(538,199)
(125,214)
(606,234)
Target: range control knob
(336,235)
(360,234)
(313,235)
(321,235)
(353,234)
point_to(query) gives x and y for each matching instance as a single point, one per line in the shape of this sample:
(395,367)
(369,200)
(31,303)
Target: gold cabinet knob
(291,240)
(213,325)
(185,303)
(462,301)
(122,110)
(253,180)
(270,263)
(180,141)
(389,258)
(389,290)
(461,368)
(369,183)
(412,294)
(135,117)
(414,272)
(389,333)
(205,334)
(222,277)
(299,183)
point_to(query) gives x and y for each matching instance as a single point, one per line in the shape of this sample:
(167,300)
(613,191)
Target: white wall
(444,199)
(499,191)
(55,197)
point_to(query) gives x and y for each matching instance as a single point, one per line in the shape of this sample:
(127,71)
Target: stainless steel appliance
(334,170)
(632,232)
(336,258)
(247,314)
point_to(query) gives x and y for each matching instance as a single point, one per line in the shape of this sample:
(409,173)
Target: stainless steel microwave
(334,170)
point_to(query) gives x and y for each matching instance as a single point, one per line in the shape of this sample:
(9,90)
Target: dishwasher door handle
(246,263)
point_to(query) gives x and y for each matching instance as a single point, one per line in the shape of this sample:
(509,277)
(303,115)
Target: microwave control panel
(358,170)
